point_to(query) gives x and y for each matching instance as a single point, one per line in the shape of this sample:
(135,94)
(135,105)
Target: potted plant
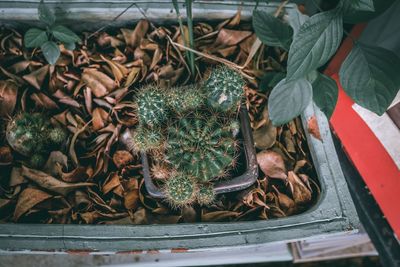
(88,91)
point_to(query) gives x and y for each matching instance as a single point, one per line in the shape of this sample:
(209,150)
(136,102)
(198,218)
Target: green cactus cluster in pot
(195,127)
(33,136)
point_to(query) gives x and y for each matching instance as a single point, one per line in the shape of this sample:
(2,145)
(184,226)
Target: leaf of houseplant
(269,80)
(64,34)
(317,40)
(361,5)
(69,46)
(271,30)
(45,14)
(325,94)
(288,99)
(354,16)
(370,76)
(35,38)
(296,19)
(51,51)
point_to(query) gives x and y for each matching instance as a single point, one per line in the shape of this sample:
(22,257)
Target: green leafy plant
(47,39)
(369,74)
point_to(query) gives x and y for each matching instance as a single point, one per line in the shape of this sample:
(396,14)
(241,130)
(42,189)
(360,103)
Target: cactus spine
(32,135)
(224,89)
(183,99)
(201,146)
(180,190)
(205,194)
(146,139)
(152,106)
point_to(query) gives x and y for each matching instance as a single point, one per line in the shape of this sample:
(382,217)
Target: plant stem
(189,54)
(190,28)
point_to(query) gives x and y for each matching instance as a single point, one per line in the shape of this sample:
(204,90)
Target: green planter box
(333,213)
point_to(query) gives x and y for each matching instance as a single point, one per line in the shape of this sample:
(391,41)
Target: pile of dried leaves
(90,91)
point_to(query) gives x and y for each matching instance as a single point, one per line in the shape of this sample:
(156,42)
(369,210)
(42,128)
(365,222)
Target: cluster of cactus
(33,136)
(195,128)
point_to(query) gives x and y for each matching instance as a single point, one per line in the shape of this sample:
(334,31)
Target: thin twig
(112,21)
(214,58)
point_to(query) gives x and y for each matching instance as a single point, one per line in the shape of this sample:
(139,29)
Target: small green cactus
(37,160)
(31,134)
(152,105)
(180,190)
(183,99)
(57,136)
(205,194)
(224,89)
(146,139)
(201,146)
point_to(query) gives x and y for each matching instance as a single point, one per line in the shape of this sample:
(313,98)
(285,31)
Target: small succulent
(205,194)
(57,136)
(160,170)
(224,89)
(37,160)
(47,39)
(32,135)
(180,190)
(152,106)
(146,139)
(183,99)
(201,146)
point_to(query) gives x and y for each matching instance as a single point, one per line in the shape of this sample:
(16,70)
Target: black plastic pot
(244,180)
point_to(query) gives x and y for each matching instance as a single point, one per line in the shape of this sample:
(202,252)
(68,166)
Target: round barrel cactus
(183,99)
(205,194)
(32,135)
(146,139)
(152,105)
(224,89)
(201,146)
(180,190)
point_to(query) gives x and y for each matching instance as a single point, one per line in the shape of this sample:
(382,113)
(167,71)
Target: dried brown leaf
(37,77)
(122,158)
(6,156)
(100,118)
(218,216)
(43,101)
(50,183)
(28,199)
(131,199)
(301,193)
(228,37)
(265,136)
(8,98)
(272,164)
(313,127)
(133,37)
(100,83)
(79,174)
(112,182)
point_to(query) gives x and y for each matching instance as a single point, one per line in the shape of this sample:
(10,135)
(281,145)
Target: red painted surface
(368,155)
